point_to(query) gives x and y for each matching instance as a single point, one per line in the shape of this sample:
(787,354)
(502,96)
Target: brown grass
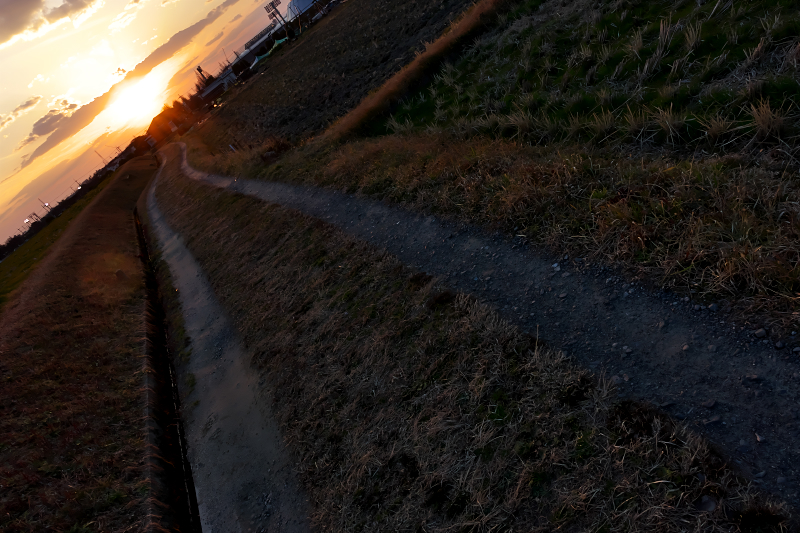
(409,407)
(71,359)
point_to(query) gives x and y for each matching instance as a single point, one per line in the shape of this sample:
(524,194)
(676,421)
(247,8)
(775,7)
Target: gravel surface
(243,474)
(734,383)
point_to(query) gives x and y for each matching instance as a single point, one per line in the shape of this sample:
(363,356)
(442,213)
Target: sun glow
(137,102)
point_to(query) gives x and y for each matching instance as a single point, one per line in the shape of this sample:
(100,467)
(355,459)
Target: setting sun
(138,101)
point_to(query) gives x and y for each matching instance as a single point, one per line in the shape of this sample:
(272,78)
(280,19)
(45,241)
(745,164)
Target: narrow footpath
(728,381)
(243,475)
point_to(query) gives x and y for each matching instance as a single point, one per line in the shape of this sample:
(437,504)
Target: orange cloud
(83,116)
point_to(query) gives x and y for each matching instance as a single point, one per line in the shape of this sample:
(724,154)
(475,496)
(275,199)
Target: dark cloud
(26,141)
(21,109)
(48,123)
(83,116)
(27,105)
(216,38)
(67,9)
(234,19)
(19,16)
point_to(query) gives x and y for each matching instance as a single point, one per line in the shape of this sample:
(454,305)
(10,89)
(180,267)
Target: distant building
(215,89)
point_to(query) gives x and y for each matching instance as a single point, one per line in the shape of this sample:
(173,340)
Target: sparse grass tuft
(603,124)
(716,128)
(768,122)
(636,123)
(692,36)
(671,122)
(635,45)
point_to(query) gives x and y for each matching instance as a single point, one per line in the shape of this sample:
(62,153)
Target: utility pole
(44,204)
(272,10)
(101,157)
(297,18)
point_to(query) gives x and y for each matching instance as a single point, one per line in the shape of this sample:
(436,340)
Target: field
(73,448)
(656,141)
(426,410)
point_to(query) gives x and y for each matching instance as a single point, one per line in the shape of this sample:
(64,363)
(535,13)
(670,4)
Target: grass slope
(71,360)
(411,408)
(659,136)
(704,77)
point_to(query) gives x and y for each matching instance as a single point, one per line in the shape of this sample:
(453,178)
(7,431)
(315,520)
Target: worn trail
(735,387)
(242,472)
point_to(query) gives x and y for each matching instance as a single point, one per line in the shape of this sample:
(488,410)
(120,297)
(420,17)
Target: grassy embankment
(655,135)
(71,360)
(17,266)
(408,406)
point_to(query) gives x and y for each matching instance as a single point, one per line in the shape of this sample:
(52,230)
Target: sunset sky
(86,75)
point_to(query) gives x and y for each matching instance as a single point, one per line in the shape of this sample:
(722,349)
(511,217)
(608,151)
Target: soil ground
(736,388)
(71,359)
(243,475)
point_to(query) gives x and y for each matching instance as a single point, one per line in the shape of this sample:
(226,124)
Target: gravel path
(731,382)
(242,472)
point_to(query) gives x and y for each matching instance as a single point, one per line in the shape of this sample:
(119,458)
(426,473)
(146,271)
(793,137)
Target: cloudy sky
(86,75)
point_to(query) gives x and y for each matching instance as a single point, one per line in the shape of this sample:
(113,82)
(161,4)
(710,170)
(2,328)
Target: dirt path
(242,472)
(736,388)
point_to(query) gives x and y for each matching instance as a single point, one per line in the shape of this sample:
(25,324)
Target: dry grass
(635,45)
(603,124)
(71,360)
(733,230)
(426,411)
(767,122)
(692,36)
(716,127)
(636,123)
